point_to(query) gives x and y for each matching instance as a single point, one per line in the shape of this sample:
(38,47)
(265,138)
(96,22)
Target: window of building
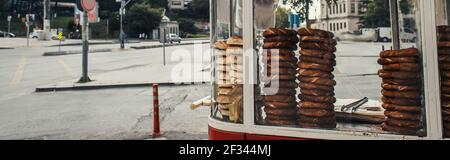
(345,11)
(353,8)
(340,8)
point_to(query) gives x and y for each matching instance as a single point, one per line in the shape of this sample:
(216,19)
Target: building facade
(179,4)
(343,16)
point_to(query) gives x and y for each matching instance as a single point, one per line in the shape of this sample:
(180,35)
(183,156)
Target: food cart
(242,32)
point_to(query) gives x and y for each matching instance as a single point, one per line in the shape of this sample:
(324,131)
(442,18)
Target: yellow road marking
(67,68)
(19,72)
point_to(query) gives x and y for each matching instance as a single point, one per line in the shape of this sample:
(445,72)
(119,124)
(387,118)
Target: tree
(282,18)
(301,7)
(187,26)
(377,14)
(143,18)
(200,8)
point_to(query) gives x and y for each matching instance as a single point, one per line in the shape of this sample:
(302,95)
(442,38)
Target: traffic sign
(9,18)
(60,33)
(88,5)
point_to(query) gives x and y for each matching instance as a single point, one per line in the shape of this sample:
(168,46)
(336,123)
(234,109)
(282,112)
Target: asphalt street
(102,114)
(126,113)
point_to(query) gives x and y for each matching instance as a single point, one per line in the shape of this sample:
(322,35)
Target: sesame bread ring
(273,59)
(398,75)
(315,125)
(443,29)
(446,119)
(445,74)
(280,105)
(279,45)
(280,98)
(408,67)
(315,73)
(316,120)
(315,66)
(279,122)
(396,60)
(278,52)
(393,87)
(304,85)
(222,99)
(282,77)
(310,59)
(445,89)
(403,115)
(443,44)
(444,66)
(282,84)
(318,81)
(409,52)
(282,65)
(443,51)
(318,46)
(393,107)
(443,37)
(225,91)
(280,91)
(445,97)
(401,94)
(273,117)
(316,112)
(288,112)
(405,82)
(404,123)
(318,40)
(270,32)
(444,58)
(446,111)
(399,130)
(279,71)
(319,99)
(315,105)
(401,101)
(315,33)
(316,93)
(317,53)
(293,39)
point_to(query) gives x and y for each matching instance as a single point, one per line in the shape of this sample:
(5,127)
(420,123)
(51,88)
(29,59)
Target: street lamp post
(123,4)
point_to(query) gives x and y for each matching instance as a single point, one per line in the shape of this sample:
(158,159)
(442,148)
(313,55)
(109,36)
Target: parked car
(406,35)
(38,33)
(173,38)
(6,34)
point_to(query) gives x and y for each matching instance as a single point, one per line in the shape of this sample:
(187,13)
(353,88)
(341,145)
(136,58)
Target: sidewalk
(135,77)
(128,46)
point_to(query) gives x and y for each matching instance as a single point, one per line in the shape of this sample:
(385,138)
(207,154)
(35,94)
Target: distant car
(34,35)
(6,34)
(406,35)
(173,38)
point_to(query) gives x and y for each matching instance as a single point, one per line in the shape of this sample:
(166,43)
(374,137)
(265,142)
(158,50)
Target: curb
(109,86)
(167,45)
(63,53)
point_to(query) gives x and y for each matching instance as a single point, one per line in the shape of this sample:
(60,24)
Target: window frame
(433,122)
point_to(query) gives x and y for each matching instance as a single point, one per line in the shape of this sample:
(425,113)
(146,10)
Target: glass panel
(443,39)
(227,61)
(329,77)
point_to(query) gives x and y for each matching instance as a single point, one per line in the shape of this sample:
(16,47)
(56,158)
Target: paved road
(104,114)
(125,113)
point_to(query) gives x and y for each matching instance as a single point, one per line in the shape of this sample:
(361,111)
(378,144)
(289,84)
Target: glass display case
(339,76)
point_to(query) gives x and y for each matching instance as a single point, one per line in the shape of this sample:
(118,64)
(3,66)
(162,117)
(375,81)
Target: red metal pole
(156,131)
